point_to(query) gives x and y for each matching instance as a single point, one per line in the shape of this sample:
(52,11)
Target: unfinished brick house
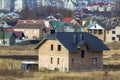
(71,51)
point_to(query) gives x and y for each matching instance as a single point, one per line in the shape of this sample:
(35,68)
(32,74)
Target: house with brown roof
(32,29)
(71,51)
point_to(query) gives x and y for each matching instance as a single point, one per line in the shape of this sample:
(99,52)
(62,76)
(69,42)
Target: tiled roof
(67,19)
(30,22)
(67,40)
(96,22)
(31,26)
(56,24)
(93,22)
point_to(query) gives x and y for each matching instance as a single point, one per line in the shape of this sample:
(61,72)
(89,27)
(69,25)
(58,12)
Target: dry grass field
(11,58)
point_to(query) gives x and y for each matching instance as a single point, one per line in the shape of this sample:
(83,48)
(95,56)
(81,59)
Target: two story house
(113,33)
(94,27)
(71,51)
(32,29)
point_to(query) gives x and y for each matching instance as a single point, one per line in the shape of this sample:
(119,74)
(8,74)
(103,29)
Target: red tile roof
(67,19)
(30,22)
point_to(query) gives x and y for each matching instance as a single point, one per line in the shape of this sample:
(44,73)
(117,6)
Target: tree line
(42,12)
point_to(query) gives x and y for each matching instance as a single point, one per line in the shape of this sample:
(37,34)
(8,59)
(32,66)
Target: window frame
(100,31)
(94,61)
(72,61)
(59,47)
(52,47)
(113,32)
(58,61)
(82,54)
(51,60)
(113,38)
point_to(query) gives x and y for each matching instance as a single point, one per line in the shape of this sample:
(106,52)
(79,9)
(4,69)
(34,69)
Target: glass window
(82,53)
(94,61)
(58,60)
(34,31)
(51,47)
(26,37)
(90,30)
(59,47)
(113,38)
(95,31)
(113,32)
(51,60)
(72,61)
(100,31)
(34,37)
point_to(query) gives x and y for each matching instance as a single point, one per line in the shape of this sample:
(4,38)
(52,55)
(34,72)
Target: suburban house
(71,51)
(7,38)
(75,22)
(62,26)
(32,29)
(96,28)
(113,33)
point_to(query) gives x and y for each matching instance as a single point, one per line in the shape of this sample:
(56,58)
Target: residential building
(62,26)
(71,51)
(7,38)
(76,23)
(94,27)
(32,29)
(113,34)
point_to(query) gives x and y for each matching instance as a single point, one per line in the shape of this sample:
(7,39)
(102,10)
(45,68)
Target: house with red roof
(73,21)
(32,29)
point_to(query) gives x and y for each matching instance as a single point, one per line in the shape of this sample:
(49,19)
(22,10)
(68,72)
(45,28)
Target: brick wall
(86,62)
(45,55)
(30,33)
(65,57)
